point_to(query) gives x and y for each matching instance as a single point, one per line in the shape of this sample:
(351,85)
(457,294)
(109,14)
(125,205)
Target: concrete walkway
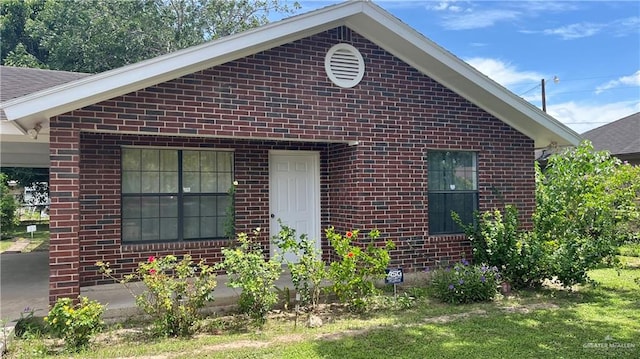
(18,246)
(24,283)
(120,303)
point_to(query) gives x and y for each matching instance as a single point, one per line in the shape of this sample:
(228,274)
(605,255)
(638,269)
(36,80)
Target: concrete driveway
(24,282)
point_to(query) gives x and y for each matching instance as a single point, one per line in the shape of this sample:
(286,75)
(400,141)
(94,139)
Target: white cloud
(503,73)
(582,117)
(631,80)
(575,31)
(471,19)
(627,26)
(466,15)
(620,27)
(447,5)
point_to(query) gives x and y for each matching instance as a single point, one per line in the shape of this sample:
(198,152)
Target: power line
(577,91)
(592,90)
(611,77)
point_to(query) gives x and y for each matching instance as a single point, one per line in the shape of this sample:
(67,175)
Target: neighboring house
(343,117)
(17,82)
(621,138)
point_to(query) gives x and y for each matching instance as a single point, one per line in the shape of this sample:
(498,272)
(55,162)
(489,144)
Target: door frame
(314,157)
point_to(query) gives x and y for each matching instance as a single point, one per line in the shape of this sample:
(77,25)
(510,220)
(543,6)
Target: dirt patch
(451,317)
(523,309)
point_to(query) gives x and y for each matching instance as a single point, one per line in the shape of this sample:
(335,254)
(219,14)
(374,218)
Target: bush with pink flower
(174,291)
(357,267)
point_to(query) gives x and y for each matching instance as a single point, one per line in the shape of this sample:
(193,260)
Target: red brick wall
(283,94)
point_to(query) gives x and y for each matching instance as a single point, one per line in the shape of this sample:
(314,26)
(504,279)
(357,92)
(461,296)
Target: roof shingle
(20,81)
(618,137)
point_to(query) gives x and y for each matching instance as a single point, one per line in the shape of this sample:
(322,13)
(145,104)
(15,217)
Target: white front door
(294,194)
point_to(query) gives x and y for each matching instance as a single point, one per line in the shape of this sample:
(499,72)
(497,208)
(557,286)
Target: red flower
(152,259)
(349,234)
(152,271)
(350,254)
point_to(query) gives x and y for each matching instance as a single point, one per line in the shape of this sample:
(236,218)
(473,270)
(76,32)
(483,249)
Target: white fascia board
(130,78)
(10,128)
(434,61)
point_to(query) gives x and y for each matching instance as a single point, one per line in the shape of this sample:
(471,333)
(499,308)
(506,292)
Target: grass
(630,249)
(600,320)
(39,242)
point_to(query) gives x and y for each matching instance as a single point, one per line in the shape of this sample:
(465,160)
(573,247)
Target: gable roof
(618,137)
(363,17)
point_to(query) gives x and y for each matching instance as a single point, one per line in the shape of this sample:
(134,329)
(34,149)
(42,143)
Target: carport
(24,277)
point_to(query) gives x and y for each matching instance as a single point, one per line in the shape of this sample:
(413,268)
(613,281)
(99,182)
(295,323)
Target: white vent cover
(344,65)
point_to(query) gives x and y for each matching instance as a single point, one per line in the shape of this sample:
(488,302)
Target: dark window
(172,195)
(453,187)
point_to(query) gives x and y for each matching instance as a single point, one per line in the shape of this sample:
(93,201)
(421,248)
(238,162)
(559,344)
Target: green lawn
(630,249)
(39,242)
(589,322)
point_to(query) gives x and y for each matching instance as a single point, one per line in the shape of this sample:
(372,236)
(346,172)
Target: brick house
(343,117)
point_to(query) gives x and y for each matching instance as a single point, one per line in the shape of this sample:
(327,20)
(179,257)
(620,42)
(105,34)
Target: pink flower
(152,271)
(152,259)
(349,234)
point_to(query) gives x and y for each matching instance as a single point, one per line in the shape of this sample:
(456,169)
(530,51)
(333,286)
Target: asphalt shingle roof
(618,137)
(19,81)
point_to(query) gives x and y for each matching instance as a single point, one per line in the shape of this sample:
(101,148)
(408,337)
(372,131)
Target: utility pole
(544,95)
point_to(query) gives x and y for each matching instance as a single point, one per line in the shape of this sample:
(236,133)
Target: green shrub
(465,283)
(308,273)
(354,274)
(76,324)
(28,325)
(175,291)
(8,206)
(587,205)
(248,269)
(497,241)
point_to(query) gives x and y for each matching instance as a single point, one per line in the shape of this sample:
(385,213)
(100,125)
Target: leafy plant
(497,241)
(465,283)
(175,291)
(248,269)
(76,324)
(230,218)
(308,273)
(587,204)
(8,206)
(29,325)
(356,270)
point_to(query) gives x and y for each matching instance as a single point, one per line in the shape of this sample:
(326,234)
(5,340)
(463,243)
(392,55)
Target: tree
(35,178)
(8,207)
(98,35)
(586,201)
(16,42)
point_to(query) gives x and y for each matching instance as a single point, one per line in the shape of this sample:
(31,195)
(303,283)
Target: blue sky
(592,47)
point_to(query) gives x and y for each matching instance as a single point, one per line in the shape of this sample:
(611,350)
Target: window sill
(193,244)
(439,238)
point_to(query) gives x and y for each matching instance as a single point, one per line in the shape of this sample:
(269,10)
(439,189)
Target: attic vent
(344,65)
